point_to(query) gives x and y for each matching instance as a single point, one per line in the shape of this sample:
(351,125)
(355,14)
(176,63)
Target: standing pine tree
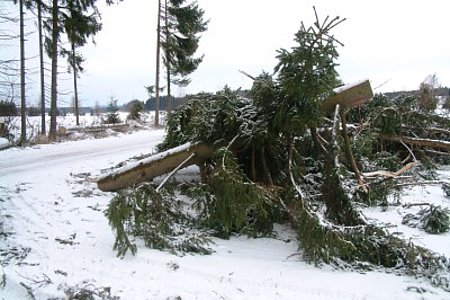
(81,22)
(79,19)
(52,50)
(158,54)
(112,117)
(179,39)
(39,5)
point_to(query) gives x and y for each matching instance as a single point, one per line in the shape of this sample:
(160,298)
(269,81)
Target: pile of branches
(281,157)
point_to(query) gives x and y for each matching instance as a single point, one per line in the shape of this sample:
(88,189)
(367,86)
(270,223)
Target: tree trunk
(41,68)
(23,131)
(158,46)
(349,153)
(268,177)
(339,205)
(54,88)
(417,141)
(154,166)
(169,95)
(253,164)
(75,86)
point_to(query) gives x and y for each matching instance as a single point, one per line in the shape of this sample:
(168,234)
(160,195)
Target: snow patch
(4,143)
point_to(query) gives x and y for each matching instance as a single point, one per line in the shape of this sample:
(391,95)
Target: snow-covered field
(57,239)
(65,123)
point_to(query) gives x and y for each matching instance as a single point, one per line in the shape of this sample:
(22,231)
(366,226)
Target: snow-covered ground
(58,238)
(66,122)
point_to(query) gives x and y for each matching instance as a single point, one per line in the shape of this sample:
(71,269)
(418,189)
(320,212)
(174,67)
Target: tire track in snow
(36,184)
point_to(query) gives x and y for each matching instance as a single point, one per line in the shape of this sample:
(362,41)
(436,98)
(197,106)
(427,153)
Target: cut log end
(350,95)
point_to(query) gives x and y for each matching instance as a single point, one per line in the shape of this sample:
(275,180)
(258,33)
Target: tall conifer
(179,39)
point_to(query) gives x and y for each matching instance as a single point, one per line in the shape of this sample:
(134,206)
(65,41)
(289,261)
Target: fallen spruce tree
(296,150)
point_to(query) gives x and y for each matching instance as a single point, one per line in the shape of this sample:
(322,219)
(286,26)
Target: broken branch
(174,171)
(390,174)
(416,141)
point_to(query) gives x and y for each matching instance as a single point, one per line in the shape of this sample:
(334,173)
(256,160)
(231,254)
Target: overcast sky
(394,43)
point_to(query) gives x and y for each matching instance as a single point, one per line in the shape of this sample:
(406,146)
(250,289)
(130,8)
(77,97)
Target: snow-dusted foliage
(432,219)
(230,202)
(41,257)
(281,157)
(156,217)
(213,119)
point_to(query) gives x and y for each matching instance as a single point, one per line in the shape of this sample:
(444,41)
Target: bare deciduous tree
(427,100)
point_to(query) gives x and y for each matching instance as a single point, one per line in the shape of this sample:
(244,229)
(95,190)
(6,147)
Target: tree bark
(154,166)
(23,108)
(180,166)
(75,86)
(438,144)
(389,174)
(54,88)
(41,67)
(253,166)
(349,153)
(158,49)
(268,177)
(169,92)
(339,206)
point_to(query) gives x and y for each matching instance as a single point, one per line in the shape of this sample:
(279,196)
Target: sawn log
(154,166)
(349,95)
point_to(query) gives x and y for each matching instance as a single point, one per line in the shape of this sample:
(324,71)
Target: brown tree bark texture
(154,166)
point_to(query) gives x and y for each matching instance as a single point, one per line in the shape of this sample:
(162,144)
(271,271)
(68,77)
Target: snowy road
(72,153)
(59,240)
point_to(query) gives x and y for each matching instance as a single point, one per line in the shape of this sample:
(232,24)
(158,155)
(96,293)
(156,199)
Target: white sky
(400,42)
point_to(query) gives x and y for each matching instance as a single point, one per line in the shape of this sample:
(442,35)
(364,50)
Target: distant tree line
(164,103)
(10,109)
(175,102)
(439,91)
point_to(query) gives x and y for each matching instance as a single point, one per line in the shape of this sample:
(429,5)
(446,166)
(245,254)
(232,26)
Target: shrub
(135,108)
(112,117)
(8,109)
(432,219)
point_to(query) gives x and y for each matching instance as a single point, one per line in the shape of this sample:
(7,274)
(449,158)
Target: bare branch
(390,174)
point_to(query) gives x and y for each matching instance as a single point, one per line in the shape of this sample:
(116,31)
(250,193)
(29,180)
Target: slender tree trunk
(349,153)
(54,89)
(41,67)
(253,164)
(158,46)
(23,131)
(268,177)
(169,94)
(75,86)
